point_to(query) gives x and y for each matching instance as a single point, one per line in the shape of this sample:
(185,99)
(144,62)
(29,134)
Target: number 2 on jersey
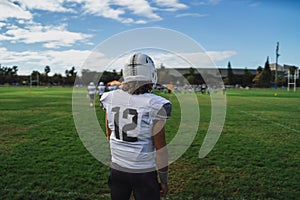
(126,127)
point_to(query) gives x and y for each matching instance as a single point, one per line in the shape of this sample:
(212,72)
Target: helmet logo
(133,72)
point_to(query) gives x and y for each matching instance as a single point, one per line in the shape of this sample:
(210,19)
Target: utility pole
(277,55)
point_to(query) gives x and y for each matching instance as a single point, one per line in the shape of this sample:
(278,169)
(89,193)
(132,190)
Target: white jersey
(92,89)
(101,89)
(130,118)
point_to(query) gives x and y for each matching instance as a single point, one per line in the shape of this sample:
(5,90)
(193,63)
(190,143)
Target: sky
(64,33)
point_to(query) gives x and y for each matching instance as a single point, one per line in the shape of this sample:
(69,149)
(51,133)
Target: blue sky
(63,33)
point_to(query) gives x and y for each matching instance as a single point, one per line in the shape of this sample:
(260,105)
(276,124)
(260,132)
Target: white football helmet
(140,68)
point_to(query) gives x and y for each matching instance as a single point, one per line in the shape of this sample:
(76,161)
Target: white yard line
(269,121)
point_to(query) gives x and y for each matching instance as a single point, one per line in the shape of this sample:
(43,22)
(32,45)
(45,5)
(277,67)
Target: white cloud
(2,25)
(173,5)
(67,58)
(124,11)
(208,2)
(11,10)
(139,7)
(130,20)
(140,10)
(48,5)
(169,60)
(101,8)
(104,8)
(50,36)
(198,59)
(59,61)
(220,55)
(191,15)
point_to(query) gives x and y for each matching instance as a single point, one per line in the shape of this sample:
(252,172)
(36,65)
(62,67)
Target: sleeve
(165,111)
(162,109)
(104,100)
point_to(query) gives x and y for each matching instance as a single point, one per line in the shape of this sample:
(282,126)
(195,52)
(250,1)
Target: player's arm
(108,131)
(160,144)
(103,104)
(159,141)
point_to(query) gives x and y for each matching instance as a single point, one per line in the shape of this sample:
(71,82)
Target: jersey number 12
(126,127)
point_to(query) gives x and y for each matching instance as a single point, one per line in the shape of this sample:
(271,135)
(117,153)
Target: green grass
(256,157)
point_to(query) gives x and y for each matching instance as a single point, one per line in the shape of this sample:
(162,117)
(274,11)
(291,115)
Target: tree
(14,70)
(71,72)
(258,75)
(14,75)
(8,75)
(2,74)
(230,79)
(247,78)
(266,76)
(70,76)
(191,76)
(259,69)
(47,70)
(35,77)
(292,69)
(57,79)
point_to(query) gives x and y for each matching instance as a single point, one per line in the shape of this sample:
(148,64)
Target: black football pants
(143,185)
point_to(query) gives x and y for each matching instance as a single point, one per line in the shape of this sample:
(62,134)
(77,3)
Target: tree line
(263,78)
(9,76)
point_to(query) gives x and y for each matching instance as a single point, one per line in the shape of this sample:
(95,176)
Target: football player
(91,90)
(135,121)
(101,89)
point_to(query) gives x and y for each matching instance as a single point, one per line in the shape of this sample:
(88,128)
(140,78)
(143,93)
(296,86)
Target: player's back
(92,89)
(130,118)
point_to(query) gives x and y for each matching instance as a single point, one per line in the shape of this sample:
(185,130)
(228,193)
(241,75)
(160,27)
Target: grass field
(256,157)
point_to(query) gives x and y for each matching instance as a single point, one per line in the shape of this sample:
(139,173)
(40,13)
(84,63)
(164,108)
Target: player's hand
(163,190)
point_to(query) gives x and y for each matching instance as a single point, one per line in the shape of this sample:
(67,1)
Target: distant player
(203,88)
(91,92)
(135,121)
(170,87)
(223,89)
(101,89)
